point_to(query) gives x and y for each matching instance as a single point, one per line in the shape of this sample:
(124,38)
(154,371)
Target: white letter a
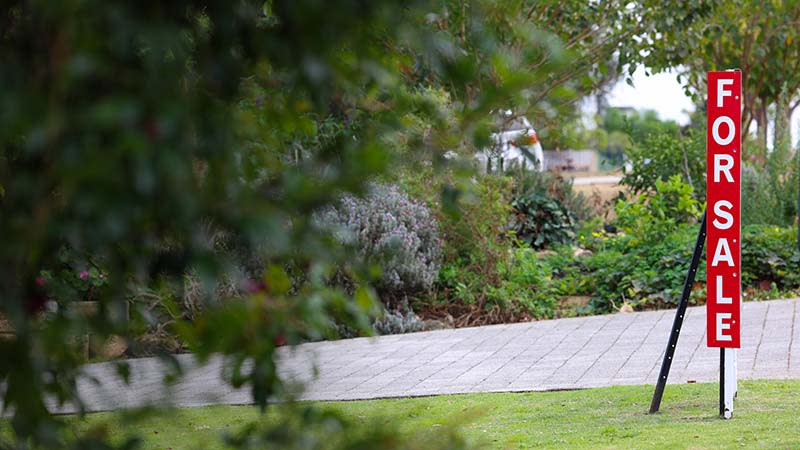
(722,253)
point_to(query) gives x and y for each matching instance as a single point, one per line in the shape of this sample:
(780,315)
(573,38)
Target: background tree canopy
(759,38)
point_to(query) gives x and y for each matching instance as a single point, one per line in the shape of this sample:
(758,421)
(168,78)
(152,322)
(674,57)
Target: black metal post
(679,314)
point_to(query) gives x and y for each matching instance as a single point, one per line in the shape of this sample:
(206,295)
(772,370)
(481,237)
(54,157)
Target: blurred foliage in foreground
(156,140)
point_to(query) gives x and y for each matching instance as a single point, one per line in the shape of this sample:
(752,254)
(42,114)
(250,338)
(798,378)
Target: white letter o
(731,130)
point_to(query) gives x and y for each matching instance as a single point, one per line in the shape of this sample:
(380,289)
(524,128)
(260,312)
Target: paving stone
(583,352)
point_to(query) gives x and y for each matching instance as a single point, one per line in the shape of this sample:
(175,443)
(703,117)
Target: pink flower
(40,281)
(83,275)
(254,286)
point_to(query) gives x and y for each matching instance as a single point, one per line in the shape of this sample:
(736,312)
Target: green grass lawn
(767,416)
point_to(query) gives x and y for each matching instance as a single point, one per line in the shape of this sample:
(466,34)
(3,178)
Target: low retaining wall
(6,331)
(572,160)
(91,347)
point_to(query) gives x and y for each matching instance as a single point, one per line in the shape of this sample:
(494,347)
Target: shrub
(554,186)
(475,232)
(665,155)
(475,243)
(546,210)
(651,216)
(769,194)
(541,221)
(389,229)
(480,280)
(528,287)
(769,178)
(397,322)
(649,274)
(769,255)
(157,311)
(646,264)
(76,277)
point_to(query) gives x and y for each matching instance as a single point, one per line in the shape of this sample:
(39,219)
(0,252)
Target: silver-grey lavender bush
(389,228)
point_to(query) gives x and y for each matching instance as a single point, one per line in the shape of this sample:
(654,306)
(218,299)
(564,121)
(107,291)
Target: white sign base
(729,382)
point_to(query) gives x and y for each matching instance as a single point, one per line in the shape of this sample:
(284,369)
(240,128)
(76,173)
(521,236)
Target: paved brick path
(555,354)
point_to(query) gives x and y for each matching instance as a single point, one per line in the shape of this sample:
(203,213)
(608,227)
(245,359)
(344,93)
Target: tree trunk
(762,122)
(782,133)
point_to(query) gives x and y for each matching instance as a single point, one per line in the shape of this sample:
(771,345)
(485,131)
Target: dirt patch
(469,315)
(575,301)
(601,197)
(5,326)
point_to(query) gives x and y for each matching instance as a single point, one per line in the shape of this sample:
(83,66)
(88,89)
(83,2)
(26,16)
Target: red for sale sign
(723,196)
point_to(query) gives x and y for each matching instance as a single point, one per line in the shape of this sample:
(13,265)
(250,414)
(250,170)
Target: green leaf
(276,279)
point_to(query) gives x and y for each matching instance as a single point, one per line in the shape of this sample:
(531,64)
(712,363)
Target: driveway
(584,352)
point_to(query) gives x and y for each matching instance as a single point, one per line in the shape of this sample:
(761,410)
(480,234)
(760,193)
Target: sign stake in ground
(722,224)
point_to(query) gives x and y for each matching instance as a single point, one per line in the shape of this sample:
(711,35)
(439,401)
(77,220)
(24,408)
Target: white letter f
(721,91)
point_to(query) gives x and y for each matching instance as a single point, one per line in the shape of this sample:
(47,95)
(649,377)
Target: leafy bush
(665,155)
(651,216)
(541,221)
(475,232)
(391,230)
(475,243)
(646,264)
(554,186)
(474,283)
(650,274)
(647,274)
(769,193)
(769,254)
(157,311)
(76,277)
(546,211)
(769,178)
(528,287)
(481,279)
